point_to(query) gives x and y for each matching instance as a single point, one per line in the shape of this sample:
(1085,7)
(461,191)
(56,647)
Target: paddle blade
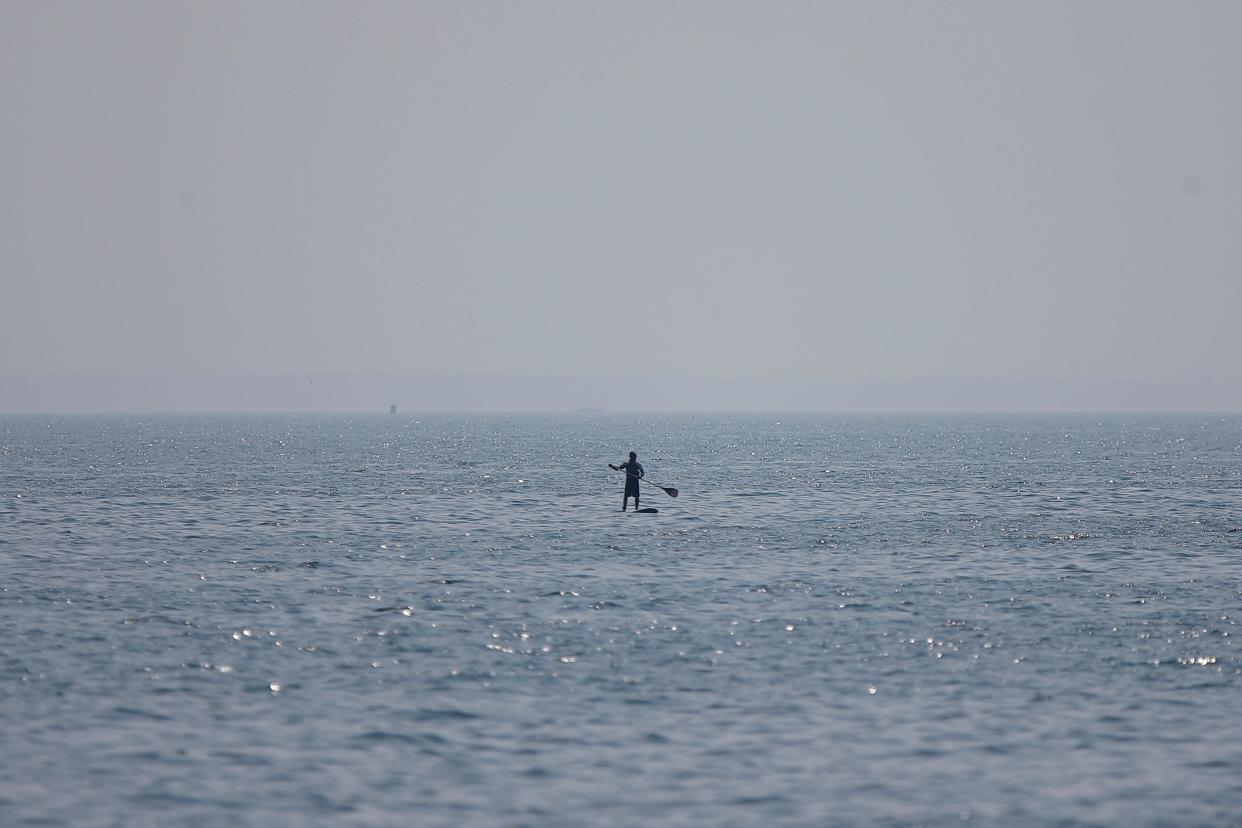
(671,491)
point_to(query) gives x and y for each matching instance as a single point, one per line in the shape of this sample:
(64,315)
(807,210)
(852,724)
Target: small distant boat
(392,409)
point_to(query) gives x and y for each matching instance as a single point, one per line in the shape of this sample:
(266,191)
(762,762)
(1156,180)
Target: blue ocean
(448,621)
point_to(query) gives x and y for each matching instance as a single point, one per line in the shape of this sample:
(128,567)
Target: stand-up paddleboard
(648,511)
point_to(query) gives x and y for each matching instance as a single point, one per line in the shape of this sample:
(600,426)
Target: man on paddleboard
(633,471)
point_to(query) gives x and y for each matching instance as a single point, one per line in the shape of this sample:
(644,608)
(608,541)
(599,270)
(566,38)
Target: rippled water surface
(448,621)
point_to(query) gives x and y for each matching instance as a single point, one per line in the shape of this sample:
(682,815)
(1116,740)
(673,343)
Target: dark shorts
(631,487)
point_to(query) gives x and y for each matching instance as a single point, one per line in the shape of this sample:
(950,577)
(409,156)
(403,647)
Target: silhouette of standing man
(633,471)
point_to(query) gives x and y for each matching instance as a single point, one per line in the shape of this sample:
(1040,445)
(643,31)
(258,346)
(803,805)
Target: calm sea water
(448,621)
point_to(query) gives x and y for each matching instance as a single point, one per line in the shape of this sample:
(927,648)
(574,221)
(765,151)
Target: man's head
(633,455)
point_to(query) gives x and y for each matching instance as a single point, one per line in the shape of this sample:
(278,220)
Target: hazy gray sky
(739,191)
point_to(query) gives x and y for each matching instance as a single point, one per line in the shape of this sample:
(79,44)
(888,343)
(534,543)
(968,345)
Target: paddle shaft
(668,490)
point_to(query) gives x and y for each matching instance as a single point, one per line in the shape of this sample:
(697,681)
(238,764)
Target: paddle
(668,490)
